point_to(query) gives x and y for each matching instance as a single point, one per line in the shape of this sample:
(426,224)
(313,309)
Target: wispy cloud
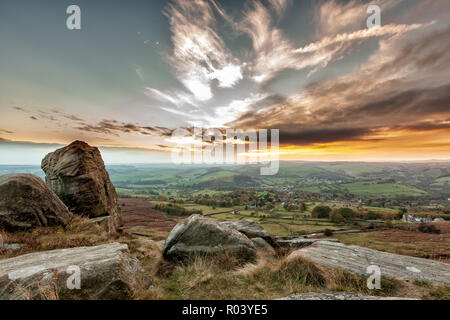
(116,128)
(274,53)
(139,72)
(176,98)
(280,6)
(333,17)
(200,56)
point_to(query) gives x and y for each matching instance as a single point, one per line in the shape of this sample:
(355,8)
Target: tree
(321,212)
(303,207)
(347,213)
(372,215)
(336,217)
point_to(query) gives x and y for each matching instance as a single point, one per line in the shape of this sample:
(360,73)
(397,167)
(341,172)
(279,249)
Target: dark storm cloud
(428,126)
(402,85)
(412,104)
(326,135)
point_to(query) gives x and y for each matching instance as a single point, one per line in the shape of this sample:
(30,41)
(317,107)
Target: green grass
(442,181)
(381,189)
(353,169)
(369,189)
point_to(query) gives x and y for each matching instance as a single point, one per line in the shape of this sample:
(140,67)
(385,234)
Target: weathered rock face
(77,174)
(300,242)
(106,272)
(259,242)
(337,296)
(200,235)
(251,229)
(356,259)
(27,202)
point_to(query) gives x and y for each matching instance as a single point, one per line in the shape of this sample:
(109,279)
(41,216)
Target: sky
(137,70)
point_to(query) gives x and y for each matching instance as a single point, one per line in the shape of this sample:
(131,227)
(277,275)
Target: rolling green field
(369,189)
(359,179)
(381,189)
(442,181)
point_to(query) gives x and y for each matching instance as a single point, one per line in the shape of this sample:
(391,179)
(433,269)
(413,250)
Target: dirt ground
(139,217)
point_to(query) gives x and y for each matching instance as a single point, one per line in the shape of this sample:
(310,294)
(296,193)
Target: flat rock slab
(106,272)
(301,242)
(337,296)
(356,259)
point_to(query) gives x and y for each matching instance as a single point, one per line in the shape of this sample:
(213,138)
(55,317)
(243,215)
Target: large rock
(356,259)
(27,202)
(201,235)
(78,176)
(337,296)
(251,229)
(106,272)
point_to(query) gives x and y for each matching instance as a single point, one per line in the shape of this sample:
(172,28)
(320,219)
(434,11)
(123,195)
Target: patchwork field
(369,189)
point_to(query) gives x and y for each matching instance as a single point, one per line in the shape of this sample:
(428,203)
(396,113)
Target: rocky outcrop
(251,229)
(106,272)
(26,202)
(300,242)
(357,259)
(337,296)
(201,235)
(77,174)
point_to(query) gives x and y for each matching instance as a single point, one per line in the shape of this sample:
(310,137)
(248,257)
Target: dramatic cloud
(405,82)
(274,53)
(200,55)
(329,83)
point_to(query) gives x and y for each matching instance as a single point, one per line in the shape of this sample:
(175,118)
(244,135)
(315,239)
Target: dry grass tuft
(222,276)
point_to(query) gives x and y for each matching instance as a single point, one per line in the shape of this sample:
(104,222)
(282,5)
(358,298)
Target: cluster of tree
(176,210)
(295,207)
(213,203)
(343,214)
(235,198)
